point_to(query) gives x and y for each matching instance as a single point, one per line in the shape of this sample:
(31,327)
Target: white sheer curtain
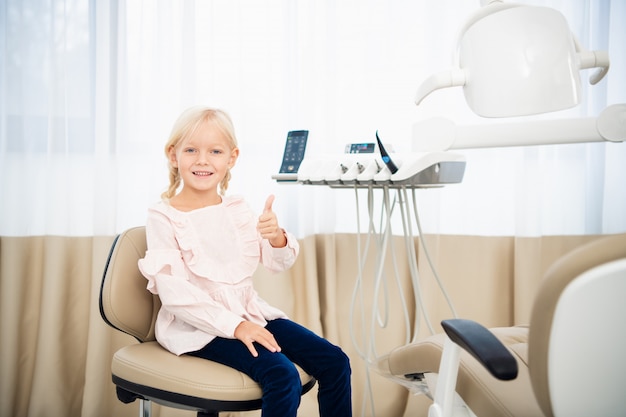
(89,91)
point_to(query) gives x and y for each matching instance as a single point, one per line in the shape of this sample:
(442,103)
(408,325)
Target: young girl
(203,248)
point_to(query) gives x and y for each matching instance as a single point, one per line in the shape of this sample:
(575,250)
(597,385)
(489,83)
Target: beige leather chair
(148,372)
(568,362)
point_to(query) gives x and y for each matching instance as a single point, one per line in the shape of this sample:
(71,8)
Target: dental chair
(568,362)
(148,372)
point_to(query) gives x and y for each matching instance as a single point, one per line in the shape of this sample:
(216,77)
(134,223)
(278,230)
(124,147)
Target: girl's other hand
(249,332)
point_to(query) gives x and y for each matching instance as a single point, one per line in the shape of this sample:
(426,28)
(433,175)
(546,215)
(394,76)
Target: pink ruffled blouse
(200,263)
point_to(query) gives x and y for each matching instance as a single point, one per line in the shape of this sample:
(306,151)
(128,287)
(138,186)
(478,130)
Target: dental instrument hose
(383,238)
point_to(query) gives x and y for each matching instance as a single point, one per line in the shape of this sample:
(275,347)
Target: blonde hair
(185,126)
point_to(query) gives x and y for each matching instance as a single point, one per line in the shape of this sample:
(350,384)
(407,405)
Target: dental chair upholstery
(570,359)
(148,372)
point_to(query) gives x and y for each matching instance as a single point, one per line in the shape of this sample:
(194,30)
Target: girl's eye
(189,150)
(216,151)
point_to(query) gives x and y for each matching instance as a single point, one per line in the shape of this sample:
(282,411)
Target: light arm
(441,134)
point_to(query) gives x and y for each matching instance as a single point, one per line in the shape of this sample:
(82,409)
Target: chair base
(128,392)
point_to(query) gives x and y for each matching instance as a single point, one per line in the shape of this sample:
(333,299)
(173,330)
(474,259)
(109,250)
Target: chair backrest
(577,339)
(125,303)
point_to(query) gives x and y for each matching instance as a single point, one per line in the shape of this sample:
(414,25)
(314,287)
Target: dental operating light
(516,60)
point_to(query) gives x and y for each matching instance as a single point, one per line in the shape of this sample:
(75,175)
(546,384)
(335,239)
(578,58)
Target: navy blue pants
(278,376)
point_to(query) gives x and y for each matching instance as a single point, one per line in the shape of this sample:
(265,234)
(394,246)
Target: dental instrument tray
(414,170)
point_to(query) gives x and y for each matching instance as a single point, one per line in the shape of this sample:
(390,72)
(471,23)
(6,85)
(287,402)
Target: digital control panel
(294,151)
(360,148)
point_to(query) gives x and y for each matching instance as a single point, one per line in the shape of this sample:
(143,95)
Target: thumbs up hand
(268,204)
(268,226)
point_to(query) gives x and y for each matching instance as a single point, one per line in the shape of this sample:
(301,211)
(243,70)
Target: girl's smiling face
(203,159)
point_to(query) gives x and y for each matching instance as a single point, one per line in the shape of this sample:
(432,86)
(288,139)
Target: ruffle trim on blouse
(158,261)
(242,264)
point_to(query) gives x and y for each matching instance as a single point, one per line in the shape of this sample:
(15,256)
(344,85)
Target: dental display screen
(360,148)
(294,151)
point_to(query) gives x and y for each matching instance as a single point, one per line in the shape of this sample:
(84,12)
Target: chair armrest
(483,346)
